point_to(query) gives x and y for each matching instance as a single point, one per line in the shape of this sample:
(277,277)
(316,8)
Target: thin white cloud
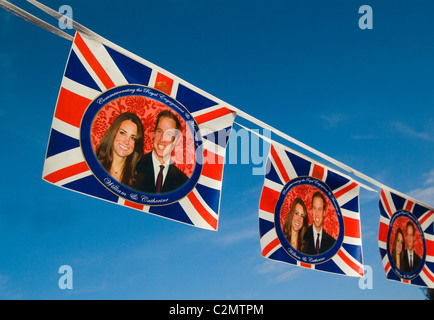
(286,275)
(364,137)
(238,230)
(406,130)
(426,192)
(425,195)
(429,178)
(8,290)
(333,120)
(237,236)
(277,272)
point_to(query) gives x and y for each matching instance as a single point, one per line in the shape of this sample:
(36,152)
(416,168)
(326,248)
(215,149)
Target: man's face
(318,212)
(164,138)
(410,238)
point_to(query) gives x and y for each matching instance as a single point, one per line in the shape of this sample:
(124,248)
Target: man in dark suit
(158,173)
(411,259)
(318,241)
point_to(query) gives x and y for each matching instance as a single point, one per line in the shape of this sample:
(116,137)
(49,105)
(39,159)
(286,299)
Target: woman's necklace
(116,171)
(294,239)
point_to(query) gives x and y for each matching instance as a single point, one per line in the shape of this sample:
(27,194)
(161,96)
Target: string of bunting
(110,100)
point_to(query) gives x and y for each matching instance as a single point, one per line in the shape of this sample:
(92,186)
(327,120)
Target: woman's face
(125,139)
(399,243)
(297,219)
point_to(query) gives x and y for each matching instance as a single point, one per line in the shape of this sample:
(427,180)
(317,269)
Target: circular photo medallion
(405,245)
(308,220)
(142,145)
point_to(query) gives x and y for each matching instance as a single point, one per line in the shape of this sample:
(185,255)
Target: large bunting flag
(309,215)
(119,118)
(406,239)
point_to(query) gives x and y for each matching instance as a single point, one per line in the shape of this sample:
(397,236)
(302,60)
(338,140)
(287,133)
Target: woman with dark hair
(121,148)
(295,225)
(398,249)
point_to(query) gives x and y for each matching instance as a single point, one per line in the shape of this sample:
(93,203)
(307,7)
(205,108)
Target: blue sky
(363,97)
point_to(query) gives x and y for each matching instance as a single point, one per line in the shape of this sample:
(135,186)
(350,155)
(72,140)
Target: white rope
(94,36)
(75,25)
(32,19)
(335,162)
(299,154)
(82,29)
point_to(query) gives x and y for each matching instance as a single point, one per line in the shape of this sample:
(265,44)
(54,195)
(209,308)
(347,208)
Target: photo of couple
(308,221)
(406,245)
(137,149)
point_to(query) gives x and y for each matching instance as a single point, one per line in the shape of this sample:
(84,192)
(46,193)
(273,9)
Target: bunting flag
(309,215)
(102,91)
(406,239)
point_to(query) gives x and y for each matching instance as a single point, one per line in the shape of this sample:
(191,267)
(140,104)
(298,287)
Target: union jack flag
(292,179)
(406,231)
(92,70)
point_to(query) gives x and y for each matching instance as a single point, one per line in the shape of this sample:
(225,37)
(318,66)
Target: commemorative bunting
(406,239)
(128,132)
(309,215)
